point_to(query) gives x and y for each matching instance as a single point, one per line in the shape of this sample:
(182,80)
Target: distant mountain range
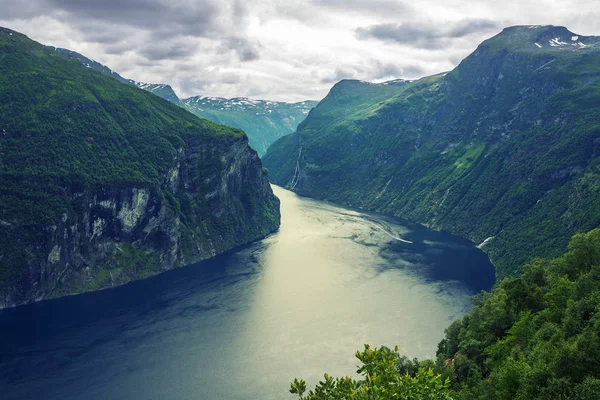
(263,121)
(159,89)
(504,149)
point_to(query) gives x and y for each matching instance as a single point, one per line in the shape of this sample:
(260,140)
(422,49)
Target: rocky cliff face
(102,183)
(114,235)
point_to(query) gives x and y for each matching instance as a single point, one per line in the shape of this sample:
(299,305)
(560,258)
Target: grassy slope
(506,145)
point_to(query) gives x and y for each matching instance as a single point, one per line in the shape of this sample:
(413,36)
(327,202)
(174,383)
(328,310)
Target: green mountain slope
(159,89)
(536,336)
(502,150)
(263,121)
(102,183)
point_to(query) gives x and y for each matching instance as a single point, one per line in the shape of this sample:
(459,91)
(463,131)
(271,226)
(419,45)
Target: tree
(383,379)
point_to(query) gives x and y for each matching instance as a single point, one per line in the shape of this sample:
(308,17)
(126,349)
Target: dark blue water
(242,325)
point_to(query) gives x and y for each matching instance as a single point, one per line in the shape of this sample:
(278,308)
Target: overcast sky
(286,50)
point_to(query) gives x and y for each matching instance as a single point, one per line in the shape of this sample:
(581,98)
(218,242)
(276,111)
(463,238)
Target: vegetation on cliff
(84,154)
(384,377)
(505,147)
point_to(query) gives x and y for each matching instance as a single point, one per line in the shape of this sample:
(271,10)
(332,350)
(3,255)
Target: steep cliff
(102,183)
(504,149)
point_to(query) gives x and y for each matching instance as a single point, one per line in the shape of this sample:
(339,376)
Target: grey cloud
(95,32)
(195,18)
(373,70)
(193,85)
(426,35)
(413,35)
(186,17)
(469,26)
(380,70)
(183,67)
(240,8)
(382,7)
(377,70)
(231,78)
(145,63)
(245,50)
(119,47)
(338,74)
(168,50)
(412,71)
(19,9)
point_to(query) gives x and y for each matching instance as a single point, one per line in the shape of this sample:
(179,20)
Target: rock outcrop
(102,183)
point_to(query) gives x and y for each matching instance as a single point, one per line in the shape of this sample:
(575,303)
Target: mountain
(102,183)
(92,64)
(504,149)
(263,121)
(161,90)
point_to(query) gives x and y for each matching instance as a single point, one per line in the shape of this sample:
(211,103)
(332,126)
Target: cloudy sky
(286,50)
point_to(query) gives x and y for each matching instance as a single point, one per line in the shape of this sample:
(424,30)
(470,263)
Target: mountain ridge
(503,139)
(273,120)
(265,121)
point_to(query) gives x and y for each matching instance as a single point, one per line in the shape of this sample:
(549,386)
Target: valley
(443,229)
(241,325)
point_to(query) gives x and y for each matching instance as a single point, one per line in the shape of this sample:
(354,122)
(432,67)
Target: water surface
(241,326)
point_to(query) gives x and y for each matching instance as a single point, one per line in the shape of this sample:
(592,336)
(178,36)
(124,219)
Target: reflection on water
(242,325)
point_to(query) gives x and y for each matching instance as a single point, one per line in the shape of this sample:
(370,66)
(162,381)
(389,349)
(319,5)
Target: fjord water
(242,325)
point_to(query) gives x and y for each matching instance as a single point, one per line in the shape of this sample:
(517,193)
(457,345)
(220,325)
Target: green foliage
(507,145)
(136,262)
(101,280)
(62,124)
(67,131)
(536,336)
(383,379)
(263,121)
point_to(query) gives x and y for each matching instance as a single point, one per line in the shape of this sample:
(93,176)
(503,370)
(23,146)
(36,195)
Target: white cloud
(277,49)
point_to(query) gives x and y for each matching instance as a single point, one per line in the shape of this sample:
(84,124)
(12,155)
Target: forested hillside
(102,183)
(504,149)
